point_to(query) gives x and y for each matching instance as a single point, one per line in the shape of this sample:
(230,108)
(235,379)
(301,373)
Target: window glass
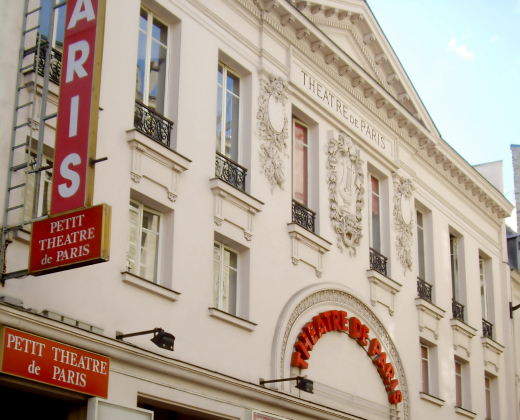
(225,274)
(458,384)
(483,299)
(375,215)
(152,58)
(228,112)
(454,267)
(420,246)
(425,370)
(143,241)
(487,384)
(300,162)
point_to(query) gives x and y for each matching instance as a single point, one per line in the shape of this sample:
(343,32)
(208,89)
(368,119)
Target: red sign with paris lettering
(39,359)
(70,240)
(78,107)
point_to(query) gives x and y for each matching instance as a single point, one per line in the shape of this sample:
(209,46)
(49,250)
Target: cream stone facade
(330,200)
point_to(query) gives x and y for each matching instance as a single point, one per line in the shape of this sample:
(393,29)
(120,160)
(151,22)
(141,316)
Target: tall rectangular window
(152,62)
(143,241)
(228,112)
(425,369)
(375,214)
(44,189)
(420,246)
(487,385)
(458,384)
(225,278)
(454,259)
(300,162)
(483,294)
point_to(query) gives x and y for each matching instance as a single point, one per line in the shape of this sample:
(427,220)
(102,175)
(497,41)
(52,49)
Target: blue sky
(463,57)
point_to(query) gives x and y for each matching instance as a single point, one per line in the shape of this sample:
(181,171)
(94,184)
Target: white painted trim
(149,286)
(432,399)
(231,319)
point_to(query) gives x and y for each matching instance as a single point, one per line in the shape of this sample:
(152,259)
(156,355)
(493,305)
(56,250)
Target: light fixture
(160,338)
(302,383)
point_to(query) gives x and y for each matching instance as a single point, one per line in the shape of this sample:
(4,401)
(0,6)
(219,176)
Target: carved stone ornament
(345,178)
(403,220)
(273,130)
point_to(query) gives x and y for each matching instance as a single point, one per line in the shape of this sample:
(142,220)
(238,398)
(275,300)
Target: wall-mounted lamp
(302,383)
(160,338)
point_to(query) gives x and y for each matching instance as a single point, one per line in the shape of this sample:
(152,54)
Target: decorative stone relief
(350,302)
(403,220)
(345,179)
(273,130)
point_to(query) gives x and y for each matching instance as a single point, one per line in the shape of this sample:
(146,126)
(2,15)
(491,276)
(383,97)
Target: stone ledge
(149,286)
(232,319)
(429,316)
(465,412)
(462,335)
(432,399)
(492,351)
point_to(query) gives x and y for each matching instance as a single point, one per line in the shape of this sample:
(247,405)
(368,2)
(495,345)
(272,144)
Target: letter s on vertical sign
(73,177)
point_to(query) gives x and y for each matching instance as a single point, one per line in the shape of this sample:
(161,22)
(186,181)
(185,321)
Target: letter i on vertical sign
(78,108)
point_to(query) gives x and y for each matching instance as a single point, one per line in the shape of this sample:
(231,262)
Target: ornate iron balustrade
(458,310)
(230,172)
(424,290)
(55,64)
(487,329)
(378,262)
(152,124)
(303,216)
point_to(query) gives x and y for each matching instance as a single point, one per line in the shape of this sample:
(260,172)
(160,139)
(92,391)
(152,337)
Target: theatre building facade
(257,186)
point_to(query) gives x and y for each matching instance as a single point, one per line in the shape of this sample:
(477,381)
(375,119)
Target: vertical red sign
(78,108)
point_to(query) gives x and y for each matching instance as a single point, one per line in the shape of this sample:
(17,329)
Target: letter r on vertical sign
(78,108)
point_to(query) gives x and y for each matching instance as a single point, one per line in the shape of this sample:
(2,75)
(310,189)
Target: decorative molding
(368,38)
(381,58)
(383,290)
(301,33)
(317,45)
(462,335)
(153,161)
(234,207)
(356,81)
(393,113)
(429,317)
(344,69)
(271,130)
(392,78)
(345,179)
(403,219)
(307,247)
(381,102)
(331,58)
(285,20)
(370,92)
(492,351)
(352,303)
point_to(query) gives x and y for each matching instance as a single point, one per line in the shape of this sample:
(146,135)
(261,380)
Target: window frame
(225,69)
(421,241)
(488,397)
(46,160)
(454,266)
(459,385)
(298,121)
(483,289)
(222,247)
(149,36)
(137,262)
(370,198)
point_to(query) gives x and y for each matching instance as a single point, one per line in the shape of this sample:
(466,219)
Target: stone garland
(354,304)
(272,131)
(404,240)
(344,194)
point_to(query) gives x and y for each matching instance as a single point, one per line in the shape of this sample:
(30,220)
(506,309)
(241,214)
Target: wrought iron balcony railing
(378,262)
(303,216)
(230,172)
(458,310)
(152,124)
(487,329)
(55,63)
(424,290)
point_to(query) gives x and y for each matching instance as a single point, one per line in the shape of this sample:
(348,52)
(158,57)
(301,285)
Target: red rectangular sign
(70,240)
(78,106)
(42,360)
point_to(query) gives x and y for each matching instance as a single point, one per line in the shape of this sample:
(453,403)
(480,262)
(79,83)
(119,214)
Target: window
(487,386)
(300,162)
(44,189)
(454,267)
(228,112)
(458,384)
(375,214)
(143,241)
(225,278)
(152,60)
(483,295)
(425,369)
(420,246)
(59,22)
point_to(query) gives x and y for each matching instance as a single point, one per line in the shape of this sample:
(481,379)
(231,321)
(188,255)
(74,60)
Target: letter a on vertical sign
(73,183)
